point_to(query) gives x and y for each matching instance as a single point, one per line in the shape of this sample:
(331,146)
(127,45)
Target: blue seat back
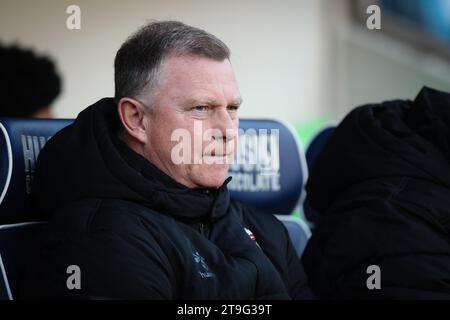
(20,143)
(313,150)
(298,230)
(317,144)
(269,169)
(16,247)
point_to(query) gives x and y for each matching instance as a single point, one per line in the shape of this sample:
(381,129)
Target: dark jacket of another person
(382,187)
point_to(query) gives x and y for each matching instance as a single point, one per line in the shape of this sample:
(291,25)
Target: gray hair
(138,62)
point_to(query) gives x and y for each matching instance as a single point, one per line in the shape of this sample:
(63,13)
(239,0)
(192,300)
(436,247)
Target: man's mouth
(213,158)
(213,154)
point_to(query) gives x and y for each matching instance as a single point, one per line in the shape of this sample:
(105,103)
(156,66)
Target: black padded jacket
(382,186)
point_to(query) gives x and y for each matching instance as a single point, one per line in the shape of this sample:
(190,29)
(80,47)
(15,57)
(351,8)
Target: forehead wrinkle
(215,96)
(207,100)
(205,88)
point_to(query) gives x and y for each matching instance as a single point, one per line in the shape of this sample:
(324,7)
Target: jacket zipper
(204,230)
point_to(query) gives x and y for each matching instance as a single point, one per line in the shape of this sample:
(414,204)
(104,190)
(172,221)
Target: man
(136,221)
(29,83)
(382,187)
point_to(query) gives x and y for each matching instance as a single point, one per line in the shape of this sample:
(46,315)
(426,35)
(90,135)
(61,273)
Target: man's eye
(233,108)
(200,108)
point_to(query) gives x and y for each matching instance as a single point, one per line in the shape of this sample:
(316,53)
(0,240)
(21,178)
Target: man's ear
(132,116)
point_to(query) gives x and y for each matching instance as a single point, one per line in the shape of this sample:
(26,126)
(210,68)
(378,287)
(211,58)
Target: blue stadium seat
(20,143)
(273,180)
(269,172)
(15,248)
(317,144)
(269,169)
(314,148)
(298,230)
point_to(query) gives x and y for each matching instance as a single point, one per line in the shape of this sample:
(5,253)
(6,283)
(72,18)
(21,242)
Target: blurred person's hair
(28,83)
(138,62)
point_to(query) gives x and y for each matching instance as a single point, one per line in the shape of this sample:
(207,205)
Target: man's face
(199,96)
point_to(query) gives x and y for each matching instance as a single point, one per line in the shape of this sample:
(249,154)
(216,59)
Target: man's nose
(226,124)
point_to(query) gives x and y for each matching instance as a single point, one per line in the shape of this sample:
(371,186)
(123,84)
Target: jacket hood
(88,160)
(393,138)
